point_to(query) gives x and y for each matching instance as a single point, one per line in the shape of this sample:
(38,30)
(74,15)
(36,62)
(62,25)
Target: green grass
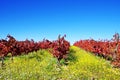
(41,65)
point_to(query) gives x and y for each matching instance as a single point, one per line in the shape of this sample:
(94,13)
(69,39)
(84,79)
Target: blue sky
(78,19)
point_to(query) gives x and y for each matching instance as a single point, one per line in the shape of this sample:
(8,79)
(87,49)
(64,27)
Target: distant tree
(116,37)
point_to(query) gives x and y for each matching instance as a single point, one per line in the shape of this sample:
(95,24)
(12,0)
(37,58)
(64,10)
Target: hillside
(41,65)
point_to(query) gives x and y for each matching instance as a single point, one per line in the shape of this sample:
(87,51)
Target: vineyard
(59,48)
(108,49)
(58,60)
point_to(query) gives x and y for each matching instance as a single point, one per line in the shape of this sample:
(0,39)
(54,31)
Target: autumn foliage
(109,49)
(59,48)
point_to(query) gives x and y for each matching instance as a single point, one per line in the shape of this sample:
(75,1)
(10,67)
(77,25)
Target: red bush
(107,49)
(59,47)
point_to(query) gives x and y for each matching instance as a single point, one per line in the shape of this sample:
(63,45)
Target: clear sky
(78,19)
